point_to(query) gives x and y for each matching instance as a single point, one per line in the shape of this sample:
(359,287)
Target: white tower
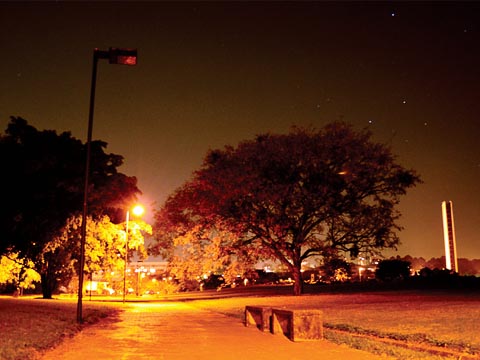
(449,236)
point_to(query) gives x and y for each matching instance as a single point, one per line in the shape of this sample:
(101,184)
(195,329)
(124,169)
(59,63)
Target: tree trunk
(298,284)
(48,285)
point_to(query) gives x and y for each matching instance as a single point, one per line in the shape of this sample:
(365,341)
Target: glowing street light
(138,211)
(115,56)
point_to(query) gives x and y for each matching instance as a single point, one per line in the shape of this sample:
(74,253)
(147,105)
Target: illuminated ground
(175,330)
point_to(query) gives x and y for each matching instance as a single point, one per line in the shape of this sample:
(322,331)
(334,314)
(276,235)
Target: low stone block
(260,316)
(298,325)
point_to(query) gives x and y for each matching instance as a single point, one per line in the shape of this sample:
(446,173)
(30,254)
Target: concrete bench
(260,316)
(298,325)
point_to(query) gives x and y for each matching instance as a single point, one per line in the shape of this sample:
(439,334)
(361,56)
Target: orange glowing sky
(211,74)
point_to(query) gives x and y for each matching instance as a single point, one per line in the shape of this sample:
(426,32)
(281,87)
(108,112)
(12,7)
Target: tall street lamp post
(115,56)
(138,210)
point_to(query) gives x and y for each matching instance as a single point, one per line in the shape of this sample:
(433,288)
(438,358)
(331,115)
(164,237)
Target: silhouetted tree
(417,263)
(395,269)
(333,266)
(436,263)
(42,187)
(290,197)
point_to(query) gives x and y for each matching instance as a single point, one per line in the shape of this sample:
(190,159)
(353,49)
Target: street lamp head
(138,210)
(122,56)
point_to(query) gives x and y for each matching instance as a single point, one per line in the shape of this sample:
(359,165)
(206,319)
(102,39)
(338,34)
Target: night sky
(211,74)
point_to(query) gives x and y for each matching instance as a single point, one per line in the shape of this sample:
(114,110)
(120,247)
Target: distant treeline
(465,266)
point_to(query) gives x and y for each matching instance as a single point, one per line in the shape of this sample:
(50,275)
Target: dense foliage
(389,270)
(42,189)
(290,197)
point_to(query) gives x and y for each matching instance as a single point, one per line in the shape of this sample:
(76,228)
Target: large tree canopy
(289,197)
(42,187)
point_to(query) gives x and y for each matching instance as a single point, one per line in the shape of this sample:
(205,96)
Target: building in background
(449,236)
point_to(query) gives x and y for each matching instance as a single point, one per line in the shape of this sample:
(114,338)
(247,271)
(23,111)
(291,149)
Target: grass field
(449,321)
(29,326)
(437,320)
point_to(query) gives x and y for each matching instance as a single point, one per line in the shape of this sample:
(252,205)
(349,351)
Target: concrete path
(174,330)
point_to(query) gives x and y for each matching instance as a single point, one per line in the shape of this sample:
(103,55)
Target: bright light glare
(138,210)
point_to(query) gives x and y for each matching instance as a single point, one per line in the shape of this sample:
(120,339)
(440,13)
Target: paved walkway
(175,330)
